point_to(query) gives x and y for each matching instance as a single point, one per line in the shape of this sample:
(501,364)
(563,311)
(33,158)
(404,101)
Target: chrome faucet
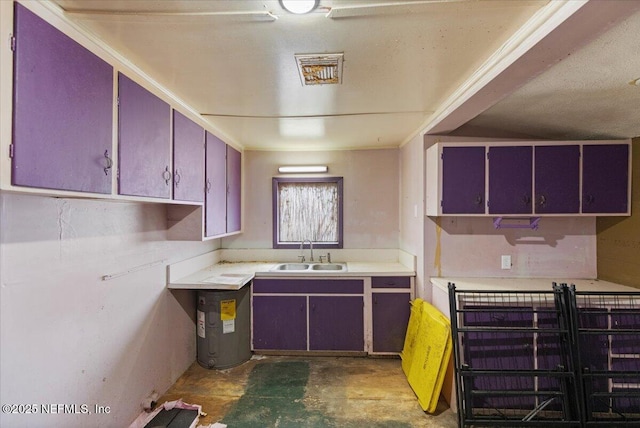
(310,248)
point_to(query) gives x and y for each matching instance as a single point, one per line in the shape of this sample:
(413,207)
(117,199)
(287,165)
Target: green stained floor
(307,392)
(274,397)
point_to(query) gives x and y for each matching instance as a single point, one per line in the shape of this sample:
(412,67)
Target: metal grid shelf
(532,358)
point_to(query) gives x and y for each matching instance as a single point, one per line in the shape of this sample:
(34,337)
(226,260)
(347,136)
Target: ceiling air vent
(320,69)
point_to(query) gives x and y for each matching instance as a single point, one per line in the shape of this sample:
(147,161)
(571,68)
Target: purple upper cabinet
(234,189)
(463,180)
(215,186)
(510,179)
(605,178)
(557,179)
(188,159)
(144,142)
(63,110)
(336,323)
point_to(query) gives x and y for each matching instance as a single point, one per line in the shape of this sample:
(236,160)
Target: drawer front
(391,282)
(308,286)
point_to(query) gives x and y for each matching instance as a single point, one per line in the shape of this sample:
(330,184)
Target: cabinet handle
(166,175)
(588,199)
(542,201)
(176,177)
(207,187)
(526,200)
(479,199)
(109,162)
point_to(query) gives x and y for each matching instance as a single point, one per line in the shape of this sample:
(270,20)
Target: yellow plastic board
(430,352)
(410,338)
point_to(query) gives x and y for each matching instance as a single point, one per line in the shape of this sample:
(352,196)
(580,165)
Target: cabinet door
(463,180)
(144,142)
(280,322)
(605,178)
(557,179)
(188,159)
(234,188)
(63,110)
(336,323)
(216,186)
(510,179)
(390,312)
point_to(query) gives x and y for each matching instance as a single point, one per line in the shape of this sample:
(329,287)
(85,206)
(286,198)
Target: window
(307,208)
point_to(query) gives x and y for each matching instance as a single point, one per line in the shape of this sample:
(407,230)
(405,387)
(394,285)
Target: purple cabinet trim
(336,323)
(463,180)
(390,319)
(557,179)
(391,282)
(63,98)
(510,179)
(143,151)
(234,184)
(188,159)
(605,178)
(307,286)
(215,186)
(280,322)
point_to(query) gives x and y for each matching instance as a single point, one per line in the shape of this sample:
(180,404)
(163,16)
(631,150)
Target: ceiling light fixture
(302,168)
(299,7)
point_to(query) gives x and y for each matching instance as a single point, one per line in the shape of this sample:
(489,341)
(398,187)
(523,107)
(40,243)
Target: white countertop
(233,276)
(515,284)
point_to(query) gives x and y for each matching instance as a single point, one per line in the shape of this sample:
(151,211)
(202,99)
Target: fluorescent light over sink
(302,169)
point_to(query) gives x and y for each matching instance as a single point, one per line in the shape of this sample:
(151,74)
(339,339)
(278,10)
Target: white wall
(472,247)
(69,337)
(371,183)
(412,206)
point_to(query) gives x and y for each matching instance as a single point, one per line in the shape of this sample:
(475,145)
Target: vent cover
(320,69)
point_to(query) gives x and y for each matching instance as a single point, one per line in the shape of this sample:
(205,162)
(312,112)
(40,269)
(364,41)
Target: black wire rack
(558,357)
(607,327)
(513,359)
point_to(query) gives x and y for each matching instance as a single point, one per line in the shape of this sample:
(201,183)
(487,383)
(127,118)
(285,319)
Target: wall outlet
(506,262)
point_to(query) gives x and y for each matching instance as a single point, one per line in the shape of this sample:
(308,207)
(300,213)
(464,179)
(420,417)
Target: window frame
(276,205)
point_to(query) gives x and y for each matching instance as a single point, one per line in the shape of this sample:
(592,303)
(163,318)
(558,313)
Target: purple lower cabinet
(63,110)
(390,312)
(336,323)
(234,189)
(510,179)
(557,179)
(188,159)
(463,178)
(280,322)
(215,186)
(605,178)
(144,142)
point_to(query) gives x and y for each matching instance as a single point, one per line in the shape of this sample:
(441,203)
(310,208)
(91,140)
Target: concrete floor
(276,391)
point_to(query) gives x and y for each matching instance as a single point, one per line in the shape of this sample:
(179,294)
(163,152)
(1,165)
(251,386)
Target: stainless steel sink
(292,266)
(328,266)
(310,268)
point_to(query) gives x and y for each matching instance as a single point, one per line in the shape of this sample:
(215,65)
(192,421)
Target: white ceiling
(404,63)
